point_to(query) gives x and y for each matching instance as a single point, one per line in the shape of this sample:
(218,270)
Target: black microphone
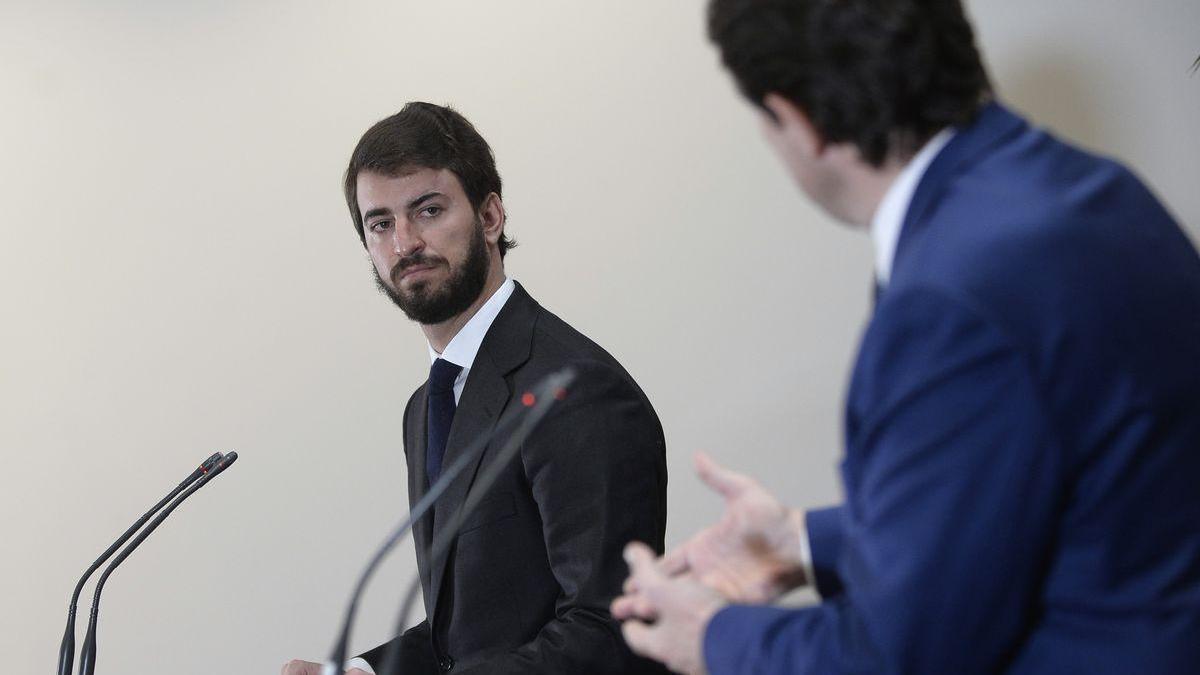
(538,403)
(66,653)
(87,655)
(337,656)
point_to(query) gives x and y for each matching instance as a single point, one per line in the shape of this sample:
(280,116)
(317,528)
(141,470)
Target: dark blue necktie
(440,416)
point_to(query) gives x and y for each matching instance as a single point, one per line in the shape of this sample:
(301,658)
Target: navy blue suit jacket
(1022,469)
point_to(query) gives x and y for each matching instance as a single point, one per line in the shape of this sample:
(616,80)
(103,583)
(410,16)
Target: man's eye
(431,211)
(380,225)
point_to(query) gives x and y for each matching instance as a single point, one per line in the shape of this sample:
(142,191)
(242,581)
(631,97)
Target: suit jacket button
(446,663)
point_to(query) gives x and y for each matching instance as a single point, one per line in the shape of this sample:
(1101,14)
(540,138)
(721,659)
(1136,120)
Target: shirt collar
(889,216)
(465,345)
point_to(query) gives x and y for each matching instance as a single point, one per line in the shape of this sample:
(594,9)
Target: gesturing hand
(751,555)
(666,617)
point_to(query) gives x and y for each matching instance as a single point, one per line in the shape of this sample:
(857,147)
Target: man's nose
(405,240)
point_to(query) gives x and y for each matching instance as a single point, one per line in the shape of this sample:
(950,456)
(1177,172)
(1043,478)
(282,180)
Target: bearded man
(526,586)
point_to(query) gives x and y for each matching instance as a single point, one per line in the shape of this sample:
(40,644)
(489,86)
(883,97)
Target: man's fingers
(633,607)
(641,639)
(621,607)
(642,565)
(630,586)
(639,556)
(646,577)
(674,562)
(644,574)
(298,667)
(728,483)
(356,671)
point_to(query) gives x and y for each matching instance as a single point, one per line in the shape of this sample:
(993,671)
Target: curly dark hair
(885,75)
(425,136)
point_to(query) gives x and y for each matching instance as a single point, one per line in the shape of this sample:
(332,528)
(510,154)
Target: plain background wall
(179,274)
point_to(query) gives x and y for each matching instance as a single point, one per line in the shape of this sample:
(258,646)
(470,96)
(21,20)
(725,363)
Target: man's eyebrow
(422,199)
(381,211)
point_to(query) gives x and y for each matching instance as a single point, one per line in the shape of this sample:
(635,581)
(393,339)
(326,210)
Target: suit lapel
(485,395)
(994,125)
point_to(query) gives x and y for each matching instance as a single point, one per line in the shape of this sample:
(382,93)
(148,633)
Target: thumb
(641,560)
(726,482)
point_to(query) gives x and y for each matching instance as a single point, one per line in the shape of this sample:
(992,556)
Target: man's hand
(752,555)
(666,617)
(298,667)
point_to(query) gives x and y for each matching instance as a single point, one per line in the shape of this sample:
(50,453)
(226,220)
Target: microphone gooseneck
(536,404)
(66,653)
(87,655)
(337,656)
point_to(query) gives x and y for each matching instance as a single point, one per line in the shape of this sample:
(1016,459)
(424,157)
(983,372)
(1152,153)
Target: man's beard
(427,305)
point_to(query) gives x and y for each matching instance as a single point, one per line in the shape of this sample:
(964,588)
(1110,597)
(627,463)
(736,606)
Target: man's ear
(492,216)
(793,126)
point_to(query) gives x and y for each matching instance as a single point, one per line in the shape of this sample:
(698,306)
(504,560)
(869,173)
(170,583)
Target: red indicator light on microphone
(528,399)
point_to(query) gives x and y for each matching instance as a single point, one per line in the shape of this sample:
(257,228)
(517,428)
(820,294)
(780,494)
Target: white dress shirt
(464,346)
(461,351)
(886,223)
(889,215)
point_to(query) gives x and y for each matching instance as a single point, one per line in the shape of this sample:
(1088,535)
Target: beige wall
(179,274)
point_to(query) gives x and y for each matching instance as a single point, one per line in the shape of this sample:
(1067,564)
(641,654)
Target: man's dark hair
(885,75)
(425,136)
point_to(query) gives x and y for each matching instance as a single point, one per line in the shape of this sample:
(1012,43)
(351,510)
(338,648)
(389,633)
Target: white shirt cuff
(806,561)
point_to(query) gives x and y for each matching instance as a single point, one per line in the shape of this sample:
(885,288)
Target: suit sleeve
(952,482)
(825,546)
(415,655)
(597,470)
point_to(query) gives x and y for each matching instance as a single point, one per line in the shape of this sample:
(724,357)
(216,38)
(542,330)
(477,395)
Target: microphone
(337,656)
(87,655)
(551,389)
(66,653)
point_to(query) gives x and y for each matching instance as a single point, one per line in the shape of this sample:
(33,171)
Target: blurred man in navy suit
(1022,464)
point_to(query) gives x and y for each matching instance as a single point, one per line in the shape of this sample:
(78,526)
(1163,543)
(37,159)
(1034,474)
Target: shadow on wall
(1111,107)
(1066,95)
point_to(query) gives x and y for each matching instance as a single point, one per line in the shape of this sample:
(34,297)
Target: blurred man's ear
(792,125)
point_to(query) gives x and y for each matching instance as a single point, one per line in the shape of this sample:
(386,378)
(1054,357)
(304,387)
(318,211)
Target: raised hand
(753,553)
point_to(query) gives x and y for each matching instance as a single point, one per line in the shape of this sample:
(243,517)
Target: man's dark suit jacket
(1022,469)
(526,587)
